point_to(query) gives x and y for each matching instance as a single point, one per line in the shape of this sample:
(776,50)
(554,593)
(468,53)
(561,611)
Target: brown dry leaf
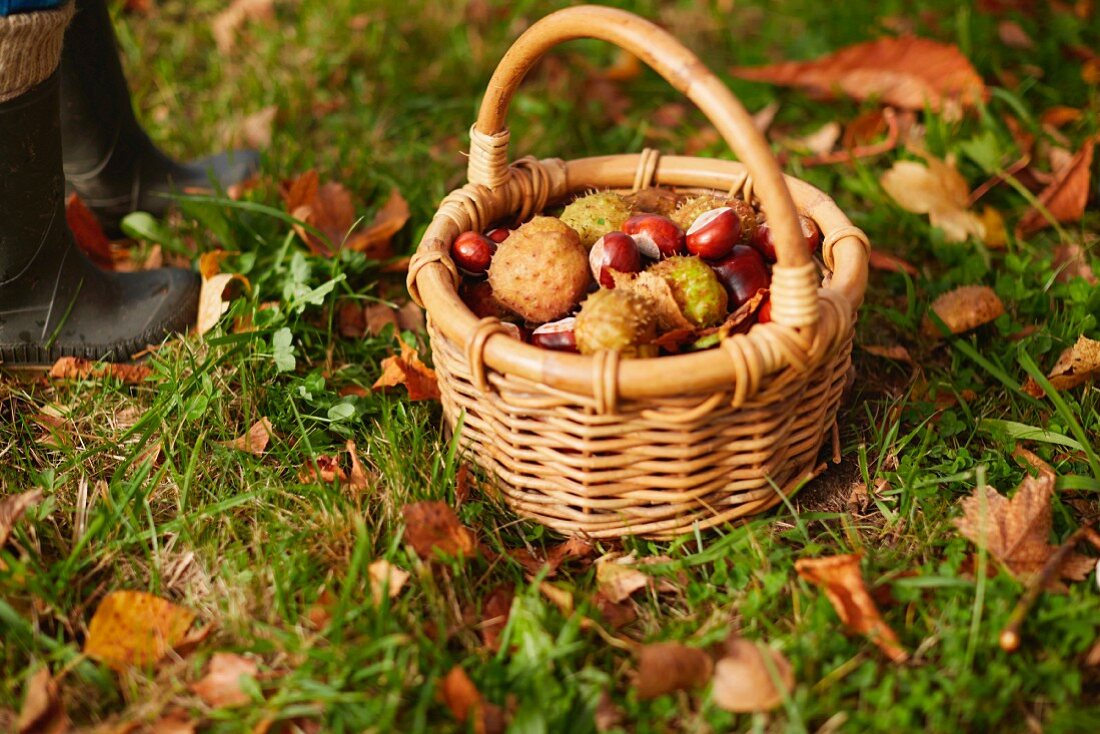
(133,628)
(1013,36)
(763,118)
(221,686)
(255,441)
(357,478)
(256,129)
(227,24)
(608,716)
(374,241)
(1071,261)
(820,141)
(327,207)
(324,468)
(408,370)
(574,547)
(896,352)
(376,317)
(1015,531)
(964,309)
(12,508)
(1075,366)
(559,597)
(75,368)
(174,722)
(386,580)
(1092,657)
(743,682)
(618,580)
(616,614)
(432,526)
(657,290)
(88,233)
(212,300)
(906,72)
(410,317)
(43,711)
(494,612)
(665,667)
(939,191)
(842,581)
(461,696)
(879,260)
(1066,196)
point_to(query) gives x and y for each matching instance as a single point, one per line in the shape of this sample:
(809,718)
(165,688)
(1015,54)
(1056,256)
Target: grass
(379,95)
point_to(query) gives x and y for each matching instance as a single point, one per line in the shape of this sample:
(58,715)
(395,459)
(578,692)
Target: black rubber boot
(109,160)
(53,301)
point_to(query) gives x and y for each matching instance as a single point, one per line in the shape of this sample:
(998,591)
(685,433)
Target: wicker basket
(658,447)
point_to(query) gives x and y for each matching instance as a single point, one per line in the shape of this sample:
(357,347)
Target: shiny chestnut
(714,233)
(657,237)
(614,251)
(557,335)
(498,234)
(472,252)
(764,313)
(764,244)
(743,273)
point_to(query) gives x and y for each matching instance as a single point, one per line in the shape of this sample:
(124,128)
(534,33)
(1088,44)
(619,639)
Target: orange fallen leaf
(408,370)
(432,526)
(842,581)
(212,293)
(374,241)
(43,711)
(906,72)
(221,686)
(880,260)
(743,682)
(1013,36)
(12,508)
(133,628)
(88,233)
(75,368)
(1060,116)
(1016,531)
(386,580)
(665,667)
(255,441)
(938,190)
(357,478)
(1066,196)
(560,597)
(175,721)
(494,612)
(1075,366)
(324,468)
(965,308)
(465,702)
(1071,260)
(574,547)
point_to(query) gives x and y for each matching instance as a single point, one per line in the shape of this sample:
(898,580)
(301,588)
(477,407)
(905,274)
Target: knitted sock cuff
(30,48)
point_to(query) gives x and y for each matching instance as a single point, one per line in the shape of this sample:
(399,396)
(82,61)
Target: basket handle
(794,278)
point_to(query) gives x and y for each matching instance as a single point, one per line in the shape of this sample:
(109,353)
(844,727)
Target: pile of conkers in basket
(644,274)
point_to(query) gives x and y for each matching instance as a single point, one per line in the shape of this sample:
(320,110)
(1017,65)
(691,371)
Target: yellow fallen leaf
(255,441)
(212,302)
(939,191)
(386,580)
(1076,366)
(135,628)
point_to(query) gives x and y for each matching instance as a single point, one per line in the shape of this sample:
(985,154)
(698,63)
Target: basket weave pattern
(657,447)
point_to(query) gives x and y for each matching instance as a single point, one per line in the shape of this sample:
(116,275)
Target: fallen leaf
(227,24)
(221,686)
(1060,116)
(410,317)
(1075,366)
(133,628)
(1071,260)
(938,190)
(374,241)
(255,441)
(494,612)
(324,469)
(819,141)
(1013,36)
(1092,657)
(574,547)
(358,478)
(617,580)
(386,580)
(743,682)
(965,308)
(1066,196)
(1016,531)
(994,232)
(43,711)
(896,352)
(625,67)
(212,299)
(376,317)
(75,368)
(12,508)
(432,526)
(559,597)
(842,581)
(319,613)
(88,233)
(665,667)
(880,260)
(175,721)
(408,370)
(461,696)
(256,129)
(906,72)
(327,208)
(616,614)
(763,118)
(608,716)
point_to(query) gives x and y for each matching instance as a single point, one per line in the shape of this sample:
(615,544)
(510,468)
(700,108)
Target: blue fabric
(11,7)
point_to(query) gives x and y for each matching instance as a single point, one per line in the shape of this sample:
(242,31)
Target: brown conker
(657,237)
(613,251)
(742,273)
(557,335)
(714,233)
(472,252)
